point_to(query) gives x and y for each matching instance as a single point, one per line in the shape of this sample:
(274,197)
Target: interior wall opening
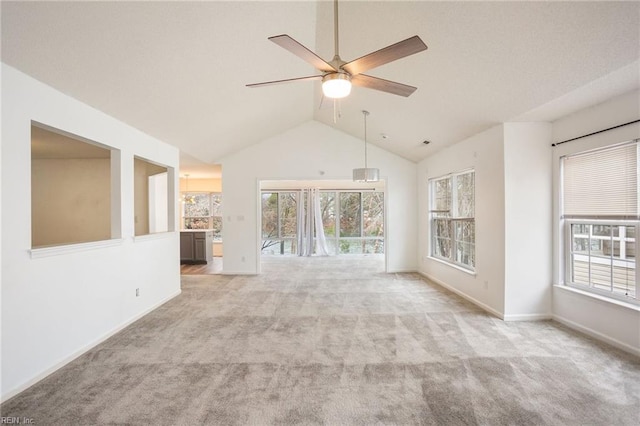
(201,204)
(151,197)
(71,189)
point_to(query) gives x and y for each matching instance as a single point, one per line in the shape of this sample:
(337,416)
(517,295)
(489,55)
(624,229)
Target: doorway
(201,203)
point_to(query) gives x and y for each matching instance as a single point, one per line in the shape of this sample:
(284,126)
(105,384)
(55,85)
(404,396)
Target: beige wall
(70,201)
(201,185)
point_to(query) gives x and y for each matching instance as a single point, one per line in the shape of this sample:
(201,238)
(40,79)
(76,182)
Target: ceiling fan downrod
(336,57)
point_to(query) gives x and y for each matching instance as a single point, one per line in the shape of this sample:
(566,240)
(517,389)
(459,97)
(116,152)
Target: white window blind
(602,184)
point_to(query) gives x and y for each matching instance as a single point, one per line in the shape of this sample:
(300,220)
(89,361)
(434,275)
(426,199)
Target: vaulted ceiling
(178,70)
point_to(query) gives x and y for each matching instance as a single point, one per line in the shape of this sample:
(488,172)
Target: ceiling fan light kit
(188,198)
(336,85)
(337,75)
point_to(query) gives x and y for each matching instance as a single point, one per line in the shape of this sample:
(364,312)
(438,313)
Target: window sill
(37,253)
(452,265)
(610,300)
(151,237)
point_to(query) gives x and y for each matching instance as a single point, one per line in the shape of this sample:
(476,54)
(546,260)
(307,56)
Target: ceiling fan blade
(376,83)
(385,55)
(302,52)
(288,80)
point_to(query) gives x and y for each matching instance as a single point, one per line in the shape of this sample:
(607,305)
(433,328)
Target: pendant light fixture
(366,174)
(186,197)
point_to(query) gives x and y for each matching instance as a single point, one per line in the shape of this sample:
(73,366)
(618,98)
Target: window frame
(452,219)
(589,287)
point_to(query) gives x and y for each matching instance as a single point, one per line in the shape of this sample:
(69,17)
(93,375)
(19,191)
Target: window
(279,222)
(361,222)
(600,216)
(452,218)
(602,257)
(353,221)
(203,210)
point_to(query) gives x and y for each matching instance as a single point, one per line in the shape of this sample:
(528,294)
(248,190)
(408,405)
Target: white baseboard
(476,302)
(15,391)
(528,317)
(597,335)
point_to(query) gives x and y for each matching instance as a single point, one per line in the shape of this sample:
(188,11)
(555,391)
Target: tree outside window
(203,210)
(353,221)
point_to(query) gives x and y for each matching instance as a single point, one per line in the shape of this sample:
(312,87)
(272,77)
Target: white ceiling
(178,70)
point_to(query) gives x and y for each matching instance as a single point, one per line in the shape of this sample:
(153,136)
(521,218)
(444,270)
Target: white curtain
(309,218)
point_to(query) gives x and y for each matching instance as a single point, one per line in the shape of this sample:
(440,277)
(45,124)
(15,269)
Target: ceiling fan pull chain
(337,110)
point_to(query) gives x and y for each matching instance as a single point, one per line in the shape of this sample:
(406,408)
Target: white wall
(57,304)
(612,322)
(308,152)
(512,163)
(528,219)
(158,203)
(1,235)
(484,153)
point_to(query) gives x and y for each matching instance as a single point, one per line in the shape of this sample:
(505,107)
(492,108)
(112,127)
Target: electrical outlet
(486,285)
(137,292)
(243,258)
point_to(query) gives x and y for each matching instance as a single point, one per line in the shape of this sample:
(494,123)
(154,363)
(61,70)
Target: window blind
(602,184)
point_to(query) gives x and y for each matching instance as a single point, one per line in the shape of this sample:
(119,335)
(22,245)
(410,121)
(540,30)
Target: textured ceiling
(177,70)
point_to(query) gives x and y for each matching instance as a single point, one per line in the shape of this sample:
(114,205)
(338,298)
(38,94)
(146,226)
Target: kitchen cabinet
(196,246)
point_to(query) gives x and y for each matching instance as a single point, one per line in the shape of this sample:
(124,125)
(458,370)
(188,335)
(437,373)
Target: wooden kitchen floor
(211,268)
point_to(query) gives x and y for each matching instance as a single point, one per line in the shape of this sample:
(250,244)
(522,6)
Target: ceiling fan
(338,76)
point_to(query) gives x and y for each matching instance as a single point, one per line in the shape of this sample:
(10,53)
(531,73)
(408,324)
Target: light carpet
(335,341)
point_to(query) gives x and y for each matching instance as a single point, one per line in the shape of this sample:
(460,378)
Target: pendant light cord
(365,113)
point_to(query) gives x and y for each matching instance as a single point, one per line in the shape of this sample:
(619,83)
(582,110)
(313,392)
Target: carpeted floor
(336,342)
